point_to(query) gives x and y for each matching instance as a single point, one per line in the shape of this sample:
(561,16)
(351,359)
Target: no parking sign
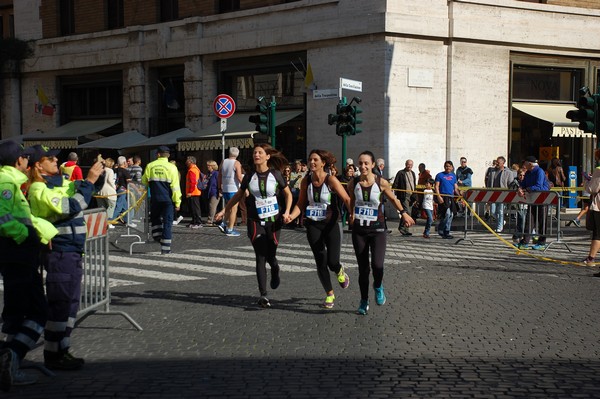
(224,106)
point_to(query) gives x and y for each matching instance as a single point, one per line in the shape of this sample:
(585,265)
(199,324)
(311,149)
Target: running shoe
(343,278)
(576,222)
(232,232)
(328,304)
(363,308)
(539,247)
(223,228)
(275,278)
(22,378)
(589,261)
(263,301)
(379,295)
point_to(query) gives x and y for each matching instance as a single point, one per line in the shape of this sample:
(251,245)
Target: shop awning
(67,135)
(240,132)
(555,114)
(117,141)
(169,139)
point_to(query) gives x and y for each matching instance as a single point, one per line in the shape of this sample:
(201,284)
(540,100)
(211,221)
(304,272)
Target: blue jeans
(446,223)
(121,205)
(429,222)
(499,215)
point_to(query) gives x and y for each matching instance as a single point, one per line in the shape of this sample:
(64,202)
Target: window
(67,17)
(547,84)
(11,25)
(1,26)
(228,5)
(170,101)
(169,10)
(114,14)
(91,97)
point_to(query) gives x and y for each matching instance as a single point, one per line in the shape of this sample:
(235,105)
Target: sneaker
(8,361)
(196,226)
(328,304)
(539,247)
(498,231)
(111,226)
(178,220)
(379,295)
(131,225)
(448,236)
(343,278)
(64,362)
(589,261)
(263,301)
(73,358)
(425,235)
(363,308)
(232,233)
(275,278)
(576,222)
(165,251)
(223,228)
(22,378)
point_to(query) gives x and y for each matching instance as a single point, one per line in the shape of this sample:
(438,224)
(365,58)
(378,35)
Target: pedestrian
(162,179)
(379,167)
(212,190)
(135,168)
(592,186)
(295,179)
(446,186)
(192,192)
(320,194)
(464,173)
(424,175)
(369,233)
(556,174)
(108,193)
(230,176)
(266,213)
(25,307)
(427,206)
(122,179)
(534,180)
(405,184)
(70,169)
(61,202)
(501,178)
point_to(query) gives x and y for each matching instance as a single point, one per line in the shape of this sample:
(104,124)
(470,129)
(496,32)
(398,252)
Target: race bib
(316,212)
(365,211)
(267,207)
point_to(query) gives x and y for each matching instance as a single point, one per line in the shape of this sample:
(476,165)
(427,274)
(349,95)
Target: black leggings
(325,241)
(365,240)
(265,238)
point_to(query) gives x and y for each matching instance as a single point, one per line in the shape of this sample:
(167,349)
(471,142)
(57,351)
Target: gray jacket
(507,177)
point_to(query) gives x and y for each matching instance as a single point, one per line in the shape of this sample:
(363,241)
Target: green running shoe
(363,308)
(343,278)
(328,304)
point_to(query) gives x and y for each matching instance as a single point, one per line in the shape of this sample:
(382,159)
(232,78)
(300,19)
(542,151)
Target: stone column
(135,103)
(192,88)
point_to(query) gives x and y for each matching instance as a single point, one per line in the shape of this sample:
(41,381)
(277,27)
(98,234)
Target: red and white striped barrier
(96,223)
(511,197)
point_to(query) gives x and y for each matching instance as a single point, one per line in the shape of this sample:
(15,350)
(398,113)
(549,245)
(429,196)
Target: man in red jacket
(192,192)
(70,169)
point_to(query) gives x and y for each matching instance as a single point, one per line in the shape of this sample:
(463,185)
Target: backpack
(202,182)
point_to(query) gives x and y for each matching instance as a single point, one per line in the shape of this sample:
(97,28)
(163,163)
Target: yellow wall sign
(547,153)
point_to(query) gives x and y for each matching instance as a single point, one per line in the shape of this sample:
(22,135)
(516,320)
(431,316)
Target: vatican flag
(309,80)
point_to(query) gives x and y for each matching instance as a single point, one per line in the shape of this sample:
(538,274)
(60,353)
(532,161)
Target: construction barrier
(95,285)
(532,212)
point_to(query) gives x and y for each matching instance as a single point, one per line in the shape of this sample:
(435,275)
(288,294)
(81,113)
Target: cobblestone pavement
(467,320)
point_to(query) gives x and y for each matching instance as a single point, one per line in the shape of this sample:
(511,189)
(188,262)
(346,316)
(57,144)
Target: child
(427,205)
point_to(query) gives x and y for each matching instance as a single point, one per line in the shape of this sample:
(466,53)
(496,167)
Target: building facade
(440,79)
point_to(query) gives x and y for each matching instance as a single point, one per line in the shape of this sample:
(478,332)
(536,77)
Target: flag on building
(309,79)
(43,104)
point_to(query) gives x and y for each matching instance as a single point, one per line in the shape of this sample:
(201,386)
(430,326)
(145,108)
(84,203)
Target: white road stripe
(153,274)
(180,266)
(235,258)
(113,282)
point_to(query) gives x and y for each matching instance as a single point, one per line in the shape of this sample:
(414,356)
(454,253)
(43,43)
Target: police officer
(25,307)
(162,179)
(61,202)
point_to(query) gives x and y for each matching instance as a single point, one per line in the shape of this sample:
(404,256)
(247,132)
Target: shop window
(115,14)
(169,10)
(67,17)
(170,101)
(228,5)
(546,84)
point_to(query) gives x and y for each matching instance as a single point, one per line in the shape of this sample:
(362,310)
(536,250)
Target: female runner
(264,212)
(368,227)
(319,202)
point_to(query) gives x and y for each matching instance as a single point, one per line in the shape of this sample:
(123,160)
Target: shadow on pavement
(324,378)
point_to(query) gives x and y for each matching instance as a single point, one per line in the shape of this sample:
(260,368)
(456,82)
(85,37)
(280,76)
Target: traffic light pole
(272,120)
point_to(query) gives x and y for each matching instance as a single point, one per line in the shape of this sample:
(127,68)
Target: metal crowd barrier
(532,213)
(95,285)
(138,215)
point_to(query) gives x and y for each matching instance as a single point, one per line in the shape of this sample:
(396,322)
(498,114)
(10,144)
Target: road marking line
(181,266)
(153,274)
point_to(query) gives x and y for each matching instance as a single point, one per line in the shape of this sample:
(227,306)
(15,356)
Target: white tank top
(229,183)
